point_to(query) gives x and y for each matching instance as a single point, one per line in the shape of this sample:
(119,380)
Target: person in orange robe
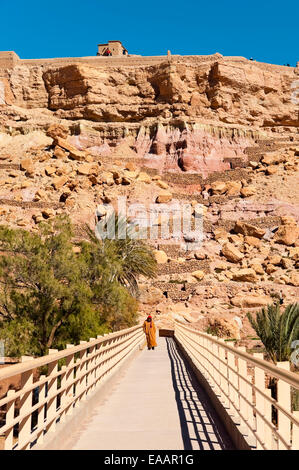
(149,329)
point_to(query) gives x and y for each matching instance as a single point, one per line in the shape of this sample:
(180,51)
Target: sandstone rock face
(220,134)
(185,94)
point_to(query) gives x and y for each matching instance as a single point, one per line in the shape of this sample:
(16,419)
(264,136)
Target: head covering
(149,318)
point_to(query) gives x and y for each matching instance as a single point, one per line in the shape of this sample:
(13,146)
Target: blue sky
(267,31)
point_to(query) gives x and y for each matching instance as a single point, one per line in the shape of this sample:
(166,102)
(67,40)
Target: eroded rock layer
(218,133)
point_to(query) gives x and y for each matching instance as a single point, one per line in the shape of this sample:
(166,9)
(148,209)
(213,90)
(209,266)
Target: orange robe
(150,333)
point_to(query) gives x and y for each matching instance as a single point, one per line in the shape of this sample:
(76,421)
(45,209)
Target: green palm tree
(121,255)
(277,330)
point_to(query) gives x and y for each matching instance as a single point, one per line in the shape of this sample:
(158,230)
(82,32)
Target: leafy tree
(41,286)
(277,330)
(51,294)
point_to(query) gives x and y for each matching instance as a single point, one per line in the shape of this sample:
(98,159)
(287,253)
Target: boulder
(47,213)
(144,177)
(252,241)
(50,170)
(257,267)
(270,268)
(27,166)
(199,256)
(74,153)
(218,187)
(130,166)
(294,279)
(271,170)
(199,275)
(59,182)
(231,253)
(248,229)
(294,253)
(56,131)
(40,194)
(288,220)
(245,275)
(286,235)
(220,234)
(223,328)
(150,295)
(248,191)
(251,301)
(233,188)
(60,153)
(162,184)
(274,259)
(164,197)
(85,169)
(160,256)
(273,158)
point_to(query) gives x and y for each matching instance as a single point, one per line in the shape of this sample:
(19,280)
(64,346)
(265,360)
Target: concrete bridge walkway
(155,403)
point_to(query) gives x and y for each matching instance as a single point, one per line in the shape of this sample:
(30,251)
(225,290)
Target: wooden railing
(241,383)
(63,380)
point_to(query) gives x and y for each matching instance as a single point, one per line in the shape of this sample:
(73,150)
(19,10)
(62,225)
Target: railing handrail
(239,381)
(64,387)
(34,363)
(290,377)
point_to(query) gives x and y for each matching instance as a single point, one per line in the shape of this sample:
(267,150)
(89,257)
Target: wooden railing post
(41,411)
(259,379)
(284,399)
(92,361)
(231,378)
(83,364)
(25,407)
(268,415)
(224,372)
(70,361)
(63,392)
(243,386)
(10,413)
(295,433)
(52,388)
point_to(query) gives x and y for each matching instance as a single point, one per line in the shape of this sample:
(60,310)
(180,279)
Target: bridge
(194,392)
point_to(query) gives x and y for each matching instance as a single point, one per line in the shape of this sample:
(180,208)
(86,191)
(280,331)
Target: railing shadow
(200,426)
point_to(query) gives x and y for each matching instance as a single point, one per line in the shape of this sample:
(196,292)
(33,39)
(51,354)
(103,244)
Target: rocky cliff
(211,130)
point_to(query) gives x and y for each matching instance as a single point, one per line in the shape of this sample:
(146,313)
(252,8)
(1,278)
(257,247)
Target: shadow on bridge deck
(156,403)
(200,426)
